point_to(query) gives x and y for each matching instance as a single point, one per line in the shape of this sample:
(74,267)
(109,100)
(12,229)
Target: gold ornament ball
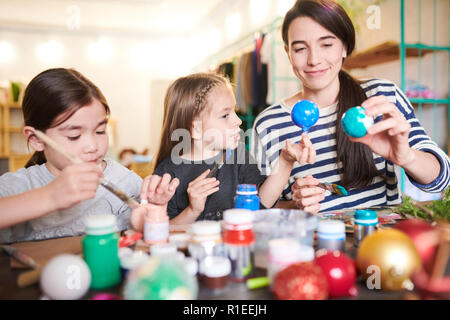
(390,255)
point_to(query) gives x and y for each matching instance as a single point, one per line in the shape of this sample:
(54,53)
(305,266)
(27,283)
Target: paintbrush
(334,188)
(225,156)
(20,256)
(105,183)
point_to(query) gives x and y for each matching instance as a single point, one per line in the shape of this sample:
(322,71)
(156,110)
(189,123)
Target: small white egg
(65,277)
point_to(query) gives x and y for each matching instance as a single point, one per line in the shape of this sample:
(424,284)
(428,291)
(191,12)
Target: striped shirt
(274,125)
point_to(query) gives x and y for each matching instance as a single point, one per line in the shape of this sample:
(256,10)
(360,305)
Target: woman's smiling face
(316,54)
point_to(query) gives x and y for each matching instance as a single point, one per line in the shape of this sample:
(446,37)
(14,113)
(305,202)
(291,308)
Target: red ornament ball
(340,272)
(424,236)
(301,281)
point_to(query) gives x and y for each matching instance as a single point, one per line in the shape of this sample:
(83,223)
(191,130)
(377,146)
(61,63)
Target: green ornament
(160,278)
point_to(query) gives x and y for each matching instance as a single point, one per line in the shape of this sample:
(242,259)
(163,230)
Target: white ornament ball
(65,277)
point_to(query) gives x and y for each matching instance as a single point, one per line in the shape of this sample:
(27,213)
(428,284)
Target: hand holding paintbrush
(225,156)
(105,183)
(334,188)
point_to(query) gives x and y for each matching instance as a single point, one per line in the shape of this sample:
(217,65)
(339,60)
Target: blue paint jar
(246,197)
(365,224)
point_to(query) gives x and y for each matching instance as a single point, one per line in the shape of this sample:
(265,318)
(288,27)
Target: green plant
(436,210)
(15,89)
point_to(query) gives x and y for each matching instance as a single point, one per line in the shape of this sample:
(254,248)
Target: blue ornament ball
(355,122)
(305,114)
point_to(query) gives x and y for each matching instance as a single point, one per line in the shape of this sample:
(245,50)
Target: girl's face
(315,53)
(83,135)
(219,121)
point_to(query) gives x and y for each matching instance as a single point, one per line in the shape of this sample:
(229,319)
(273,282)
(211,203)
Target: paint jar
(161,249)
(246,197)
(101,251)
(156,226)
(214,273)
(282,223)
(331,235)
(284,252)
(365,224)
(181,240)
(239,242)
(305,225)
(130,261)
(191,266)
(206,240)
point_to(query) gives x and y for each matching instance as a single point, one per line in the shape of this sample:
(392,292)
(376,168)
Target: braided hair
(185,101)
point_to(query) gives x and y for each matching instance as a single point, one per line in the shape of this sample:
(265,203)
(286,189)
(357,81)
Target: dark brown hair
(52,97)
(185,100)
(357,159)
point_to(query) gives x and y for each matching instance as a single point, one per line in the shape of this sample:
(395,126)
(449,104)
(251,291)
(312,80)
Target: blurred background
(133,49)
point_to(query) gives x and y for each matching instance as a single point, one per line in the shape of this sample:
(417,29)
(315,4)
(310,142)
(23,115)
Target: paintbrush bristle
(339,190)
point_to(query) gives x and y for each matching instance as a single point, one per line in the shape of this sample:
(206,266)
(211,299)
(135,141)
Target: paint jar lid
(133,260)
(241,219)
(247,189)
(306,253)
(177,256)
(215,267)
(331,227)
(289,250)
(205,227)
(180,239)
(163,249)
(125,251)
(366,217)
(191,266)
(100,224)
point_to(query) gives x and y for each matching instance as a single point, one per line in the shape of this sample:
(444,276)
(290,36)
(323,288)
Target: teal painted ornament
(305,114)
(355,122)
(160,278)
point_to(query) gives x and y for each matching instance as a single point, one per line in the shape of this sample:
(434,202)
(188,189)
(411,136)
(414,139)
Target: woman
(318,36)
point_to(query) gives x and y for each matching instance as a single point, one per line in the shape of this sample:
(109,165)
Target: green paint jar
(100,250)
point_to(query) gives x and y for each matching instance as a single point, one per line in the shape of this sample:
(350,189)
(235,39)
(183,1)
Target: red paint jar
(239,241)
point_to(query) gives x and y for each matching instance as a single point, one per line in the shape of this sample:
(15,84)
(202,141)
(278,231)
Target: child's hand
(74,184)
(159,190)
(303,152)
(306,195)
(137,218)
(199,190)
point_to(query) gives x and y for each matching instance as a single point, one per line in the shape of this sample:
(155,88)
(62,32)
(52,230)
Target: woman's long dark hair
(358,167)
(52,97)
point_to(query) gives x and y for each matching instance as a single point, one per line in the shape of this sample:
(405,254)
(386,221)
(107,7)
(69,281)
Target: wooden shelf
(14,130)
(10,127)
(17,161)
(15,105)
(11,105)
(385,52)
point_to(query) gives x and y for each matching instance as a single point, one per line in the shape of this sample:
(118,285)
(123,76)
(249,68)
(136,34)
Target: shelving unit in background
(244,44)
(393,51)
(385,52)
(404,47)
(13,144)
(274,27)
